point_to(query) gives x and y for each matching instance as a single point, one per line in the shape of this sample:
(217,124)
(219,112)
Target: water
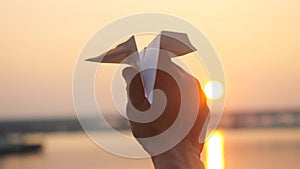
(246,149)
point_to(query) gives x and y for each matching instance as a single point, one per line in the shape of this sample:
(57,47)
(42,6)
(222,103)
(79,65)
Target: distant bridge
(276,119)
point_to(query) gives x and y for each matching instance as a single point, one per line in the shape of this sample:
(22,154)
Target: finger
(135,89)
(128,73)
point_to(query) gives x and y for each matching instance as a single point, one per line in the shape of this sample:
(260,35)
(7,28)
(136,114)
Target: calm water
(243,149)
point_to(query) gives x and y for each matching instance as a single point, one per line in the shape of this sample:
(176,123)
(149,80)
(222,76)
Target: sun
(213,90)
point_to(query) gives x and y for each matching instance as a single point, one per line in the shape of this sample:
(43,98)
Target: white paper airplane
(147,59)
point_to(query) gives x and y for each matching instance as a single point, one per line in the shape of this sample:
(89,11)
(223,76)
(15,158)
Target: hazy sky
(257,41)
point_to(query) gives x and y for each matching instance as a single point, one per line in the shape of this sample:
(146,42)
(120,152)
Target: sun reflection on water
(215,151)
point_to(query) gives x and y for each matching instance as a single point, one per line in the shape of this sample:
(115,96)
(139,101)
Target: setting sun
(213,90)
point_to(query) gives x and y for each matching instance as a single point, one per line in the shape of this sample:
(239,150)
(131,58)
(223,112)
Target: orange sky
(258,44)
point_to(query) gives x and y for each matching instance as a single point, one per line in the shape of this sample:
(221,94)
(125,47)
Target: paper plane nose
(95,59)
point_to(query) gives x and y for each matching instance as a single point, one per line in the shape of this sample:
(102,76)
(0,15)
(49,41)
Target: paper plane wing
(176,43)
(117,54)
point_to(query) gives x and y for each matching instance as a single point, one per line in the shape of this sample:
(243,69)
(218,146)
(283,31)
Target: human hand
(180,90)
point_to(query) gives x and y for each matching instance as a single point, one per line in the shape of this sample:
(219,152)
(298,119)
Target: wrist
(182,156)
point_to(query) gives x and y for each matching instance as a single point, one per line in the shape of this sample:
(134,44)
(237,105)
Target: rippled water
(243,149)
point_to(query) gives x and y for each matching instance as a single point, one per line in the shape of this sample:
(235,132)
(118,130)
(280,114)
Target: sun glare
(213,90)
(215,151)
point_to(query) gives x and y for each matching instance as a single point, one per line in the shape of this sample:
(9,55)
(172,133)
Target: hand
(171,81)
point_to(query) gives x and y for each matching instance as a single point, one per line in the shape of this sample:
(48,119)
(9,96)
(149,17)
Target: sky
(257,42)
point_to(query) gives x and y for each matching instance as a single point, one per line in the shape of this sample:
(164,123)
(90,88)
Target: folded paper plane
(177,44)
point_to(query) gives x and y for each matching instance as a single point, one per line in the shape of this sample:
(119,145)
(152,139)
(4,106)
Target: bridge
(271,119)
(274,119)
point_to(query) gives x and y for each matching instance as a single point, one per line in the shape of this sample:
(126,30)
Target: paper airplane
(176,43)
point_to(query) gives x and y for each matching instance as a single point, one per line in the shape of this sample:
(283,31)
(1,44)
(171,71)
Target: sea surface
(243,149)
